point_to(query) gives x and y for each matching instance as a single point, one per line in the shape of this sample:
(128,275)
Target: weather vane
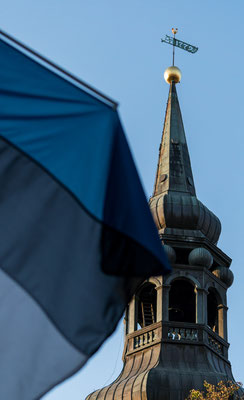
(178,43)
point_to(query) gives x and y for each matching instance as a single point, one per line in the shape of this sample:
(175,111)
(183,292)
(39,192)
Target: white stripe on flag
(33,354)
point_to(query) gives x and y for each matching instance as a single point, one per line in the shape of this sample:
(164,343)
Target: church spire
(180,319)
(174,171)
(174,205)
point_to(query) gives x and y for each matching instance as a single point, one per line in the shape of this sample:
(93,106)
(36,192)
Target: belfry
(176,326)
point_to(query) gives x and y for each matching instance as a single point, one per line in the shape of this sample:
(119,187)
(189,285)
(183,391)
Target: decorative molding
(182,275)
(222,306)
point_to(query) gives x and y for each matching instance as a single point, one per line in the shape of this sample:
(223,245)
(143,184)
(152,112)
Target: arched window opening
(213,311)
(182,302)
(147,306)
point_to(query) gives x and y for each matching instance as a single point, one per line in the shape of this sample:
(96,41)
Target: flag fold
(76,233)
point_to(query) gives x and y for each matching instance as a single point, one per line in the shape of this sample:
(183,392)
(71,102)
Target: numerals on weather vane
(178,43)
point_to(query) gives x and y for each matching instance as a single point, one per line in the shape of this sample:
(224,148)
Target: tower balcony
(177,333)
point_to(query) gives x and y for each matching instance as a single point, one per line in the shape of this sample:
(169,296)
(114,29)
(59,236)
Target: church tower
(176,326)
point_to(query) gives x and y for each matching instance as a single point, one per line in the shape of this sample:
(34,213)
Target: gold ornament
(172,74)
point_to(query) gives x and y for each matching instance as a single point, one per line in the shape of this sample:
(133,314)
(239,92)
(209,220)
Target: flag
(76,234)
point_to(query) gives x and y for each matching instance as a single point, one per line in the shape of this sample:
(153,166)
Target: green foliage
(221,391)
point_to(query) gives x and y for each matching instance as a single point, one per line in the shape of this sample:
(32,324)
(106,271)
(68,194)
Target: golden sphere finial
(172,74)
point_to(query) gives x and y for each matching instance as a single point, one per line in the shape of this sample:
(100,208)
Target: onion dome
(174,205)
(224,274)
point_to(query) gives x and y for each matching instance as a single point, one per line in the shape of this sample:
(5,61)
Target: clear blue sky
(115,46)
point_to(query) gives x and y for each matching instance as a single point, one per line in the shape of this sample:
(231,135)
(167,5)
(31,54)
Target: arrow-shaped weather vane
(178,43)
